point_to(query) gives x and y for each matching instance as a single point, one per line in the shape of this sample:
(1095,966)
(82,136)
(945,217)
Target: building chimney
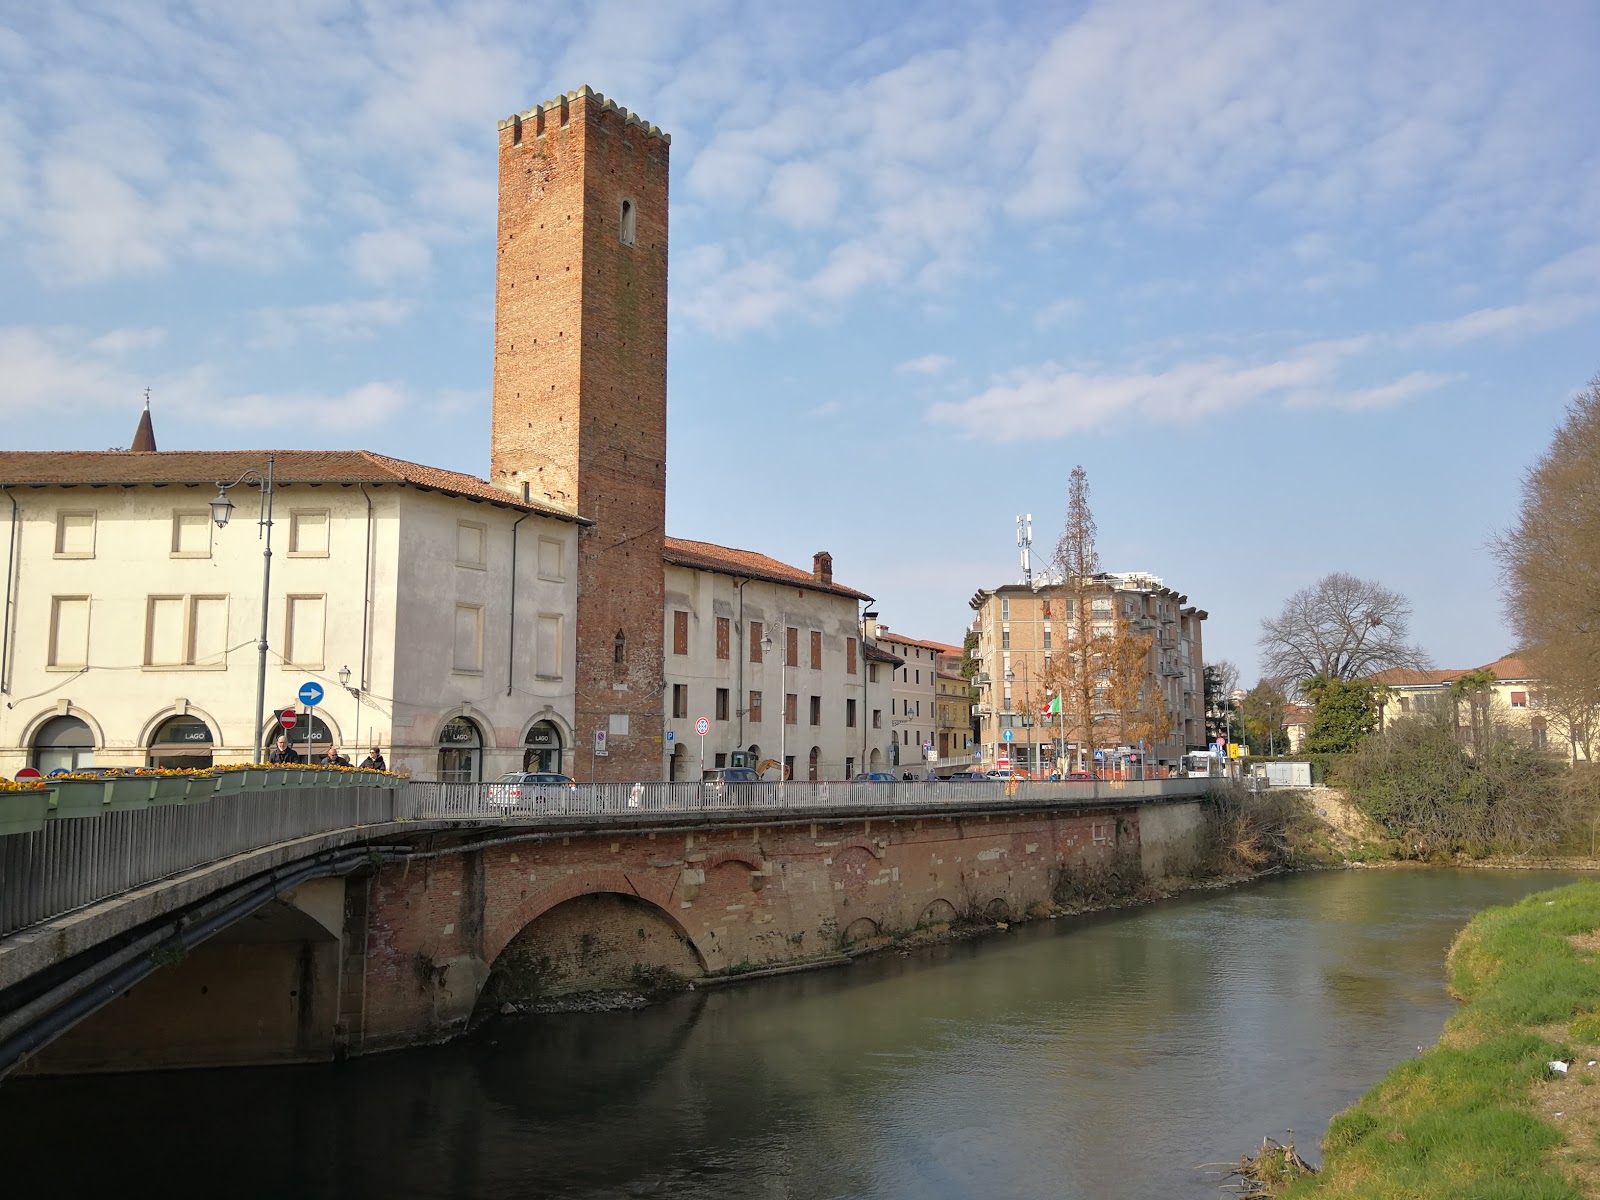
(869,622)
(822,567)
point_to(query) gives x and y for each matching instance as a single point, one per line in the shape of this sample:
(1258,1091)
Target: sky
(1305,287)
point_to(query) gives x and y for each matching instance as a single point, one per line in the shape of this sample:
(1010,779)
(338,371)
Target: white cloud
(826,409)
(355,409)
(122,341)
(928,364)
(342,321)
(804,195)
(383,256)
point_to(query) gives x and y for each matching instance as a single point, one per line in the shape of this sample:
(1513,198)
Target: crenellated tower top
(557,108)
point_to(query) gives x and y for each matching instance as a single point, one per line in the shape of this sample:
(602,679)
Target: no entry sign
(287,718)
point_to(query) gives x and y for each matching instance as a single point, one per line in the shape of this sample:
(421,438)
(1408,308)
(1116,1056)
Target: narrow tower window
(626,228)
(619,650)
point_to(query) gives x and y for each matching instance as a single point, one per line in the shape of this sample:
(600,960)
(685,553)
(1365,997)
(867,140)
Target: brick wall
(580,391)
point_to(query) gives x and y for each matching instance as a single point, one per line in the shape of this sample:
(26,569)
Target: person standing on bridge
(374,761)
(282,752)
(335,759)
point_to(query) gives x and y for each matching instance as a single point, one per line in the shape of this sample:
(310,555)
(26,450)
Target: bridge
(302,923)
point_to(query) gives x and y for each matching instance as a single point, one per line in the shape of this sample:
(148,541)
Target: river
(1103,1056)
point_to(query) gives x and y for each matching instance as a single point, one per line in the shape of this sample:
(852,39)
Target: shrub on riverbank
(1248,832)
(1418,781)
(1462,1119)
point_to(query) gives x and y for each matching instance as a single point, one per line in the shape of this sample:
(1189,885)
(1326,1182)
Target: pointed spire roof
(144,438)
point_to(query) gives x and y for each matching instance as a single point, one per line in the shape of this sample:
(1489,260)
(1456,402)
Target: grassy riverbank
(1480,1114)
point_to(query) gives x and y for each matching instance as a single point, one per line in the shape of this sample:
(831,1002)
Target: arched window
(619,648)
(308,740)
(181,742)
(62,743)
(627,223)
(541,749)
(811,763)
(460,752)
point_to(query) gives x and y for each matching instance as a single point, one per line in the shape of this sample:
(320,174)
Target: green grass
(1457,1121)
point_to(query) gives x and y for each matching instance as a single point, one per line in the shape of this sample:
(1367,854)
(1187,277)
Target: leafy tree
(1340,627)
(1550,559)
(1078,670)
(969,647)
(1219,680)
(1263,713)
(1343,713)
(1133,692)
(1475,689)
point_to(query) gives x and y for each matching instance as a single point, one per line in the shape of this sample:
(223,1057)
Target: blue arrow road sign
(311,694)
(1008,735)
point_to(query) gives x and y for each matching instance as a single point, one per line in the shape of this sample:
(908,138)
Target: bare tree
(1550,559)
(1076,669)
(1340,627)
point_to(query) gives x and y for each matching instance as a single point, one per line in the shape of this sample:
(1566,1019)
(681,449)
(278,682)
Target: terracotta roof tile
(706,556)
(1511,666)
(901,639)
(66,468)
(1408,677)
(874,653)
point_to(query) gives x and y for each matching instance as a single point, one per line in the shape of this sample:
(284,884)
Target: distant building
(1515,697)
(1019,633)
(914,705)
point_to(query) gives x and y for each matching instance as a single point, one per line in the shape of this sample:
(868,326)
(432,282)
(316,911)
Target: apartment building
(1021,628)
(1513,696)
(772,657)
(914,704)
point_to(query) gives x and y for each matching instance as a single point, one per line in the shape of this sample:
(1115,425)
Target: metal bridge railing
(618,801)
(76,861)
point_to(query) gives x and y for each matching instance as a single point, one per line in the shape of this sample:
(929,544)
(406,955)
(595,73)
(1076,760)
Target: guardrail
(75,861)
(618,801)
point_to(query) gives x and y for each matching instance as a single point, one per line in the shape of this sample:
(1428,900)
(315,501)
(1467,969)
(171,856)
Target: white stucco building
(773,658)
(132,621)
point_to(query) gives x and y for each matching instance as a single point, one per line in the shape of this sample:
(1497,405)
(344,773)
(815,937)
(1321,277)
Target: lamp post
(767,647)
(221,512)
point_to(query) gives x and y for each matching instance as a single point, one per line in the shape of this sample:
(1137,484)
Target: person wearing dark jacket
(282,752)
(335,759)
(374,761)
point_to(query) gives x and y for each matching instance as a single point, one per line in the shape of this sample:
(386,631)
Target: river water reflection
(1099,1057)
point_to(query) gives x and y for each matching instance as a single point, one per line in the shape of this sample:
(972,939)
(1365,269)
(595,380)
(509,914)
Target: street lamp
(767,646)
(221,512)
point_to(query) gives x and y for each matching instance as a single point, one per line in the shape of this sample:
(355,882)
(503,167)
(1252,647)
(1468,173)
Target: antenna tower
(1025,543)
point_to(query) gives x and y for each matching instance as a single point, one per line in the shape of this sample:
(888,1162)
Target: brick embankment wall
(588,911)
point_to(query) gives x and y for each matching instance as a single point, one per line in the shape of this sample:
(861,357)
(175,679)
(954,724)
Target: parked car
(737,785)
(879,777)
(1080,777)
(527,789)
(1005,775)
(965,775)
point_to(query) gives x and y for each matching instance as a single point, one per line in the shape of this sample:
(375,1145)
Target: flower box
(77,798)
(129,792)
(229,783)
(173,789)
(23,811)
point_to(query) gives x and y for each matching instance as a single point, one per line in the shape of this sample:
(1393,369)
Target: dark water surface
(1099,1057)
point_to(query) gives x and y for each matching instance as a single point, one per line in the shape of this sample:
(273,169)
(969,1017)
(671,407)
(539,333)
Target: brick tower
(580,391)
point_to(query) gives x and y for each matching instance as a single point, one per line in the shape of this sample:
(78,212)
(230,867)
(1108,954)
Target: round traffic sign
(1008,735)
(28,773)
(702,727)
(310,694)
(287,718)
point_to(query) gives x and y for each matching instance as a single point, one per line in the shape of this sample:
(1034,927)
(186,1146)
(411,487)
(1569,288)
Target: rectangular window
(547,661)
(186,631)
(191,535)
(872,673)
(723,629)
(849,656)
(849,768)
(849,714)
(755,641)
(471,541)
(680,632)
(308,534)
(302,643)
(1519,699)
(792,646)
(1005,608)
(755,708)
(816,710)
(722,704)
(1005,639)
(816,650)
(468,639)
(552,556)
(1047,639)
(680,699)
(877,718)
(919,708)
(75,535)
(722,760)
(791,709)
(69,631)
(919,675)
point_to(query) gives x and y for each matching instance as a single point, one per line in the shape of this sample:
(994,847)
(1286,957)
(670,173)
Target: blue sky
(1304,286)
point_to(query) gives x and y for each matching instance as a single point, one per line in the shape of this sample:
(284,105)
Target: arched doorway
(875,762)
(460,752)
(541,749)
(310,737)
(676,763)
(62,744)
(180,742)
(812,760)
